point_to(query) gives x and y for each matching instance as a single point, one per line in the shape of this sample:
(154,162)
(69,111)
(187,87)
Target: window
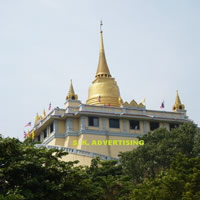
(45,133)
(38,138)
(51,128)
(154,125)
(114,123)
(172,126)
(93,121)
(134,124)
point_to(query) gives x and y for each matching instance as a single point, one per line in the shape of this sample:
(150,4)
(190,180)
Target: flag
(143,101)
(33,135)
(44,113)
(162,105)
(99,98)
(49,106)
(28,124)
(29,134)
(37,118)
(25,134)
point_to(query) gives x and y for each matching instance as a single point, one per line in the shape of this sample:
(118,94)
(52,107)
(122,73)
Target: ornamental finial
(71,94)
(178,106)
(101,24)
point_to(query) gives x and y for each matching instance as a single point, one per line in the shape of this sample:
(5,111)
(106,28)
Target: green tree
(160,147)
(30,173)
(167,167)
(109,177)
(180,182)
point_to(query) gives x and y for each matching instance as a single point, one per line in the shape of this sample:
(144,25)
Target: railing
(132,110)
(77,151)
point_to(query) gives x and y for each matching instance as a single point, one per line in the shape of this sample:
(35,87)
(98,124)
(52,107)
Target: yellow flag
(44,113)
(143,101)
(33,134)
(37,118)
(29,134)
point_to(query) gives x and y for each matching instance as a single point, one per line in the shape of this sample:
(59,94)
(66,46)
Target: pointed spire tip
(101,24)
(71,93)
(102,69)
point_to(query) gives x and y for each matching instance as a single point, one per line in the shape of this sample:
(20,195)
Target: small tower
(71,94)
(178,106)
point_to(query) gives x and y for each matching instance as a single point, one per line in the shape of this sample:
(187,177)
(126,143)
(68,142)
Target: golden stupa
(71,94)
(178,106)
(104,89)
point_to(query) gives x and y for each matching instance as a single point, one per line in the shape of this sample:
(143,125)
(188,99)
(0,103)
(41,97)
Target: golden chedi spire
(104,89)
(178,106)
(102,69)
(71,94)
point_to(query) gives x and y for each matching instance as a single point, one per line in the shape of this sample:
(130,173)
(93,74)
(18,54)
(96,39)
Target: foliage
(108,176)
(181,181)
(166,167)
(30,173)
(160,148)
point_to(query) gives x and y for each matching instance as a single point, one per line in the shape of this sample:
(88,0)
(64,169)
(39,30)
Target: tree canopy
(166,167)
(159,150)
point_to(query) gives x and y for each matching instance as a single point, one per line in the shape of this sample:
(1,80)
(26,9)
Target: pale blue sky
(152,49)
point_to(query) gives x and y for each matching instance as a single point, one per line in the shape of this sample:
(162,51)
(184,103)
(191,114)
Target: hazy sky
(152,49)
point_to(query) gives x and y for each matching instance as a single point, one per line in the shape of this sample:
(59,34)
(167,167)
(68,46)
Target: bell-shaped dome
(104,91)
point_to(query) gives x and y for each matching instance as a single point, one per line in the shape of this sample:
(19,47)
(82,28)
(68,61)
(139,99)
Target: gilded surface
(104,89)
(133,103)
(178,105)
(71,94)
(102,69)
